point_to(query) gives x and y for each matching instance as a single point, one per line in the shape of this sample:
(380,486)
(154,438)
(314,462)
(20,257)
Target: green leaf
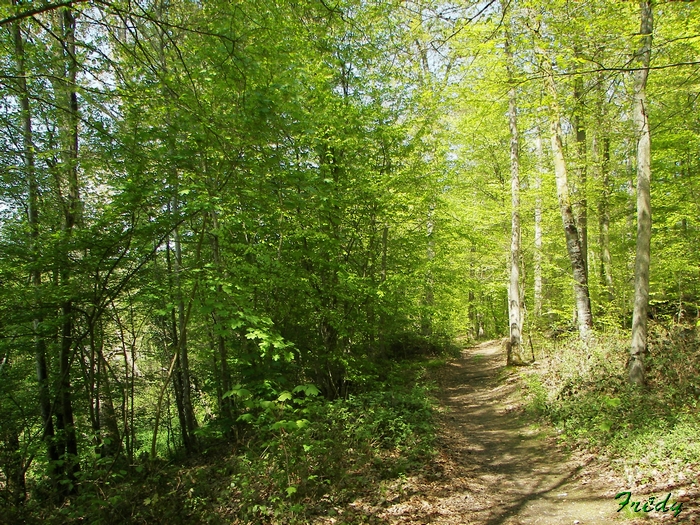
(612,402)
(308,389)
(285,396)
(238,391)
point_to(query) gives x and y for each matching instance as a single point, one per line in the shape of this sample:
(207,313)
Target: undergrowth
(298,456)
(589,400)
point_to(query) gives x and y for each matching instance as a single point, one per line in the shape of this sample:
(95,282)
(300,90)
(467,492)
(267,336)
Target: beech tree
(515,306)
(584,317)
(641,265)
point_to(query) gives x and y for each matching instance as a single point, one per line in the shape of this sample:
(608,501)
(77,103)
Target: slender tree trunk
(181,377)
(602,163)
(91,375)
(65,419)
(175,323)
(177,389)
(13,463)
(68,131)
(179,322)
(48,433)
(107,416)
(573,245)
(128,382)
(514,297)
(428,301)
(382,328)
(183,358)
(638,346)
(225,379)
(537,270)
(174,371)
(581,205)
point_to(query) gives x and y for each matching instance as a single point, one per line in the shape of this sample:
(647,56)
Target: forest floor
(497,465)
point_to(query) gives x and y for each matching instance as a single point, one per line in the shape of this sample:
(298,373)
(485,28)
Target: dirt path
(495,466)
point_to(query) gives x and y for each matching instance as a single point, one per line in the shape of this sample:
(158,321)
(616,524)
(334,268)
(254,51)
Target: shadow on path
(495,467)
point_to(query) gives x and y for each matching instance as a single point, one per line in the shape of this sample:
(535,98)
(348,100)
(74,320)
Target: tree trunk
(515,354)
(225,374)
(581,205)
(382,328)
(13,465)
(175,369)
(33,217)
(68,131)
(638,346)
(181,377)
(112,444)
(573,245)
(603,166)
(429,299)
(127,387)
(183,357)
(537,270)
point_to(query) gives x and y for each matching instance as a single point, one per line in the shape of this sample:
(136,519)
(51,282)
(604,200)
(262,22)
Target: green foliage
(337,448)
(297,458)
(592,404)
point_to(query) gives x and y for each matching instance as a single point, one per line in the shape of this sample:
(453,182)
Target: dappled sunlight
(494,467)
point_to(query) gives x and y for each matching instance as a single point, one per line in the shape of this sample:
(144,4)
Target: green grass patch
(590,401)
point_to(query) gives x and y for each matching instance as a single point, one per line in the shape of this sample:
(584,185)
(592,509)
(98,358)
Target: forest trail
(494,466)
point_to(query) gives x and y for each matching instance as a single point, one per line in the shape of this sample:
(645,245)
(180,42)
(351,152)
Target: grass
(649,433)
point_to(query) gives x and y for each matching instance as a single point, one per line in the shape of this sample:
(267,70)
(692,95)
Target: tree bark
(112,445)
(581,206)
(638,347)
(225,374)
(429,299)
(13,465)
(603,166)
(68,132)
(183,357)
(181,377)
(573,244)
(382,328)
(537,270)
(515,317)
(175,369)
(48,432)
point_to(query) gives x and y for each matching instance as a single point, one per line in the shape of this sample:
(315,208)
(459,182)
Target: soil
(497,465)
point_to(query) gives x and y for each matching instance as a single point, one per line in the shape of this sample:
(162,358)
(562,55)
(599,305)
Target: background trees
(585,53)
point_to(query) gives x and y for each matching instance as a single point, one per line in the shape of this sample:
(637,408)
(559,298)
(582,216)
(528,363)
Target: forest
(240,238)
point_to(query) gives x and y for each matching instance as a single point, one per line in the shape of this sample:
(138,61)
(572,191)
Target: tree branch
(37,10)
